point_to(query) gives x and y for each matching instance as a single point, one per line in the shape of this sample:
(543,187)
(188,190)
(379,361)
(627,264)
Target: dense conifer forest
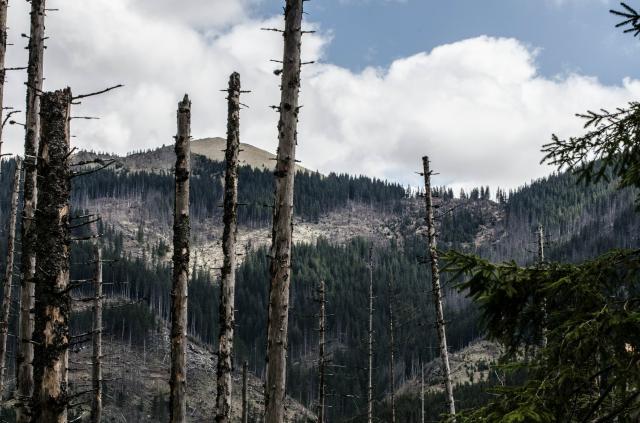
(573,213)
(180,284)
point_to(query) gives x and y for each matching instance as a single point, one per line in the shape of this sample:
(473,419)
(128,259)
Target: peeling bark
(436,289)
(181,234)
(52,298)
(96,360)
(228,276)
(24,357)
(8,275)
(280,254)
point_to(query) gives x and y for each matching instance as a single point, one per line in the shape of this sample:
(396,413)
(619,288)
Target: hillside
(337,218)
(163,158)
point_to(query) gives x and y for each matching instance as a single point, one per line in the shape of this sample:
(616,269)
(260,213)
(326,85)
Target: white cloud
(478,107)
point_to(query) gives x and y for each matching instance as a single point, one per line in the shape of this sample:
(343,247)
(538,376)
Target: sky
(478,86)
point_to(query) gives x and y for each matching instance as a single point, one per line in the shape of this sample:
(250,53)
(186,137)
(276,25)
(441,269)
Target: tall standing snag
(8,275)
(540,236)
(245,399)
(391,356)
(437,291)
(179,291)
(280,254)
(4,5)
(321,357)
(370,333)
(52,298)
(96,362)
(24,358)
(421,392)
(228,276)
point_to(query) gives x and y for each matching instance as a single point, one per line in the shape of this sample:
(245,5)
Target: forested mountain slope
(337,218)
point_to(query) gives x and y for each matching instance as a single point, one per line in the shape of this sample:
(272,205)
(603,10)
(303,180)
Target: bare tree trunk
(8,275)
(391,357)
(540,235)
(96,405)
(321,358)
(4,5)
(24,357)
(280,254)
(370,384)
(422,391)
(52,298)
(181,233)
(228,274)
(245,398)
(437,291)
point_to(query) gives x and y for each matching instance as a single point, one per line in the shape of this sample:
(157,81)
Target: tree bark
(228,274)
(245,397)
(370,384)
(391,357)
(321,357)
(8,275)
(96,362)
(181,234)
(436,289)
(24,357)
(280,254)
(4,5)
(52,298)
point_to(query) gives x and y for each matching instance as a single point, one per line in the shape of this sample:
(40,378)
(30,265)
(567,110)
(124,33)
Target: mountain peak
(163,158)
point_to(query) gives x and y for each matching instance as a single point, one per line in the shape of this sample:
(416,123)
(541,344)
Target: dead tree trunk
(181,233)
(540,234)
(24,358)
(391,357)
(280,254)
(4,5)
(422,392)
(228,274)
(8,275)
(321,357)
(96,362)
(52,298)
(436,289)
(370,384)
(245,398)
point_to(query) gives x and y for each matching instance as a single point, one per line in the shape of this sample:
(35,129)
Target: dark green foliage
(345,272)
(589,369)
(315,194)
(610,150)
(577,219)
(460,226)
